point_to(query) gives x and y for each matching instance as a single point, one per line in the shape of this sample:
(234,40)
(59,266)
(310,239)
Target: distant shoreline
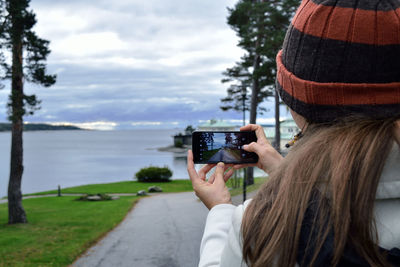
(174,149)
(6,127)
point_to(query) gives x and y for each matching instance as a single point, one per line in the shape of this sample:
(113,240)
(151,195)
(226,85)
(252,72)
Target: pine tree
(28,54)
(261,27)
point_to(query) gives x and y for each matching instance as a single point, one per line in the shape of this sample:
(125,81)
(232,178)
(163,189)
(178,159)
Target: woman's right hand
(268,157)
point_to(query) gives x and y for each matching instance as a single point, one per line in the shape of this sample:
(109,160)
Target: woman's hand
(268,157)
(213,191)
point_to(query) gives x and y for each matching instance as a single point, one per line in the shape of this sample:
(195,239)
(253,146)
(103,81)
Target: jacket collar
(389,185)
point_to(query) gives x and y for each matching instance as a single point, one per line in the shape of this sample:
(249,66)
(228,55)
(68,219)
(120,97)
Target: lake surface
(70,158)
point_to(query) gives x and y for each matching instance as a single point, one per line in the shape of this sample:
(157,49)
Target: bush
(189,129)
(178,143)
(154,174)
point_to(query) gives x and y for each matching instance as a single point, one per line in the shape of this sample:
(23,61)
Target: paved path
(223,155)
(161,231)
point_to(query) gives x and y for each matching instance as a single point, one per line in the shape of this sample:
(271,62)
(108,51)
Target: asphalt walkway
(161,231)
(224,155)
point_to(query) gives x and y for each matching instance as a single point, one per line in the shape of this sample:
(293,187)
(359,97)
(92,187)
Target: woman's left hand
(213,191)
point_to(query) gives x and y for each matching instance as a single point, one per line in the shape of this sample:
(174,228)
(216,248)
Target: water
(70,158)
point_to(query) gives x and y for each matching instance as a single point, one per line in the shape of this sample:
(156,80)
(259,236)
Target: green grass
(59,229)
(239,190)
(123,187)
(134,187)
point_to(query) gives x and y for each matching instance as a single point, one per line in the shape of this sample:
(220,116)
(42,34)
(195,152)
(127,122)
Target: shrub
(178,143)
(154,174)
(189,129)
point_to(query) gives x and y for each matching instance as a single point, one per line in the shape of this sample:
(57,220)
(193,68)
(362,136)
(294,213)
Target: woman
(334,200)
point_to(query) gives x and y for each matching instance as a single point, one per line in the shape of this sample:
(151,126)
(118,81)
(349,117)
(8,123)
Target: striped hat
(342,57)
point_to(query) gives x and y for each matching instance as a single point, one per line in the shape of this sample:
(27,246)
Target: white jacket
(221,242)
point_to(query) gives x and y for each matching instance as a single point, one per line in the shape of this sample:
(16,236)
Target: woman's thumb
(219,172)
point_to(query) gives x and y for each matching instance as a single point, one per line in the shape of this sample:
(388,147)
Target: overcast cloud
(130,63)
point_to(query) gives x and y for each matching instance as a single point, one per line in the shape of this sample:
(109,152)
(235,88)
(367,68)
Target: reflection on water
(180,161)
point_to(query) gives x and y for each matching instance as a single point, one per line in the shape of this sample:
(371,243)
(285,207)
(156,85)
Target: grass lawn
(59,229)
(239,190)
(134,187)
(123,187)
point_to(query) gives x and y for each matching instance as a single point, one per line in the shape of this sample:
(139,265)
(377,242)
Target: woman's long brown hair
(343,163)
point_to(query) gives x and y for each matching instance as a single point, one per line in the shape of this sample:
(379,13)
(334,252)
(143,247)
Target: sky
(126,64)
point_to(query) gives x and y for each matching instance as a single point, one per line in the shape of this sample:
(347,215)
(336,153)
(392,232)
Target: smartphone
(227,147)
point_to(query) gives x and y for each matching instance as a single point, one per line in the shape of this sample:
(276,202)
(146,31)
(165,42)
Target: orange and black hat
(342,57)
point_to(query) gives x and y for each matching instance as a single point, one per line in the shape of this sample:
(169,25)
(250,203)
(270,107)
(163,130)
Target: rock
(141,193)
(97,197)
(94,198)
(154,188)
(114,197)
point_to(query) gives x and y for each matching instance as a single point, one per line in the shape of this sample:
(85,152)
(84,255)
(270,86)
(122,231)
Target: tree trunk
(254,104)
(16,213)
(256,86)
(254,92)
(277,124)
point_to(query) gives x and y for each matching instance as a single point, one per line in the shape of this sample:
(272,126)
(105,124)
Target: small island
(4,127)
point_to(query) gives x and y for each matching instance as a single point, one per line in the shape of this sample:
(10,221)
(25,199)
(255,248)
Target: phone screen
(214,147)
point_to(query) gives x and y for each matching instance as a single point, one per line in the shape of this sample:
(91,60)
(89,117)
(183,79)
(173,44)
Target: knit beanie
(340,58)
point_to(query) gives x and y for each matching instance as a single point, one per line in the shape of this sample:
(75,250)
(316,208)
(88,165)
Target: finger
(212,177)
(228,166)
(253,147)
(204,170)
(229,174)
(248,127)
(190,167)
(219,173)
(257,128)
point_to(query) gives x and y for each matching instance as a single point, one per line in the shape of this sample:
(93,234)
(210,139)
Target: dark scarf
(350,257)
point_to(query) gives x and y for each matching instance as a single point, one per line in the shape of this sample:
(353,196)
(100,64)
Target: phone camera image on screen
(227,147)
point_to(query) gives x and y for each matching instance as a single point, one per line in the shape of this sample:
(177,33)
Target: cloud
(133,62)
(89,44)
